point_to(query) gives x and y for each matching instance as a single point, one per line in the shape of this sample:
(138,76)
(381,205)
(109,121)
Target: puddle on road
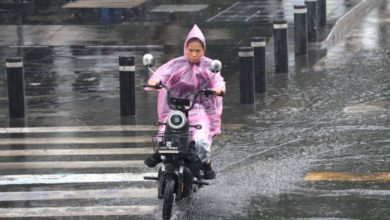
(229,196)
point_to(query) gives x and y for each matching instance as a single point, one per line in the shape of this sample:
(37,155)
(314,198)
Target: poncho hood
(194,33)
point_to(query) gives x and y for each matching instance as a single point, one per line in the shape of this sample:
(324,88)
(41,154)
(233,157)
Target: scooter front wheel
(168,198)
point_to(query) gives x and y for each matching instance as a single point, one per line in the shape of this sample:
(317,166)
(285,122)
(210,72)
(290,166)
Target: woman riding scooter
(185,75)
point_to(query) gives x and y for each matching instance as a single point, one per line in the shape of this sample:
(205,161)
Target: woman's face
(195,51)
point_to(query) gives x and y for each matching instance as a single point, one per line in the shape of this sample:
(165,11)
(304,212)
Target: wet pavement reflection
(315,146)
(333,120)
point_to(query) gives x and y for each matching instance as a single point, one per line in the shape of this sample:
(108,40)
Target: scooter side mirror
(215,66)
(148,60)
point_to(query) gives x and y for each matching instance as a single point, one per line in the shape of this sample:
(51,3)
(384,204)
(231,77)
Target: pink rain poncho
(184,78)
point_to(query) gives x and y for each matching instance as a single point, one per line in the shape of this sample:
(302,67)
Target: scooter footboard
(150,178)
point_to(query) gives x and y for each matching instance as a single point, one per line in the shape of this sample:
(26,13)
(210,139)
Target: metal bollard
(312,23)
(280,46)
(321,12)
(247,82)
(258,44)
(300,29)
(15,77)
(127,87)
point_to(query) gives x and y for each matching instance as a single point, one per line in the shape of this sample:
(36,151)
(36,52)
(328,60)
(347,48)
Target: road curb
(347,22)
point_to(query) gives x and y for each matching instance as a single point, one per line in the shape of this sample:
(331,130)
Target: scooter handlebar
(208,92)
(157,86)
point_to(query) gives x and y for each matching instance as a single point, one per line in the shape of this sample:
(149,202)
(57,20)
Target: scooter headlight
(176,120)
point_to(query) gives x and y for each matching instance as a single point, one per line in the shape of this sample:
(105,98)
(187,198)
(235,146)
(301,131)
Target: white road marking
(220,13)
(169,8)
(104,4)
(71,164)
(79,129)
(79,194)
(126,46)
(100,128)
(77,211)
(75,140)
(253,15)
(29,46)
(75,152)
(73,178)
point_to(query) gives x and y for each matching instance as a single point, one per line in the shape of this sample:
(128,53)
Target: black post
(280,46)
(258,44)
(127,87)
(247,79)
(322,12)
(312,20)
(15,76)
(300,29)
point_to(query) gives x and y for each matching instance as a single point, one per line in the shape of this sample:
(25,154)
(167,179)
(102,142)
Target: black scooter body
(184,166)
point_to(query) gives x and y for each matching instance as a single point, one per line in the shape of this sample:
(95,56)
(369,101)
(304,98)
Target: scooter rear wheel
(168,198)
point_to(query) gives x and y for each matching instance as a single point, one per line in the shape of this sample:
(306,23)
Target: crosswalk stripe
(75,140)
(79,194)
(76,152)
(79,129)
(77,211)
(72,178)
(71,164)
(100,128)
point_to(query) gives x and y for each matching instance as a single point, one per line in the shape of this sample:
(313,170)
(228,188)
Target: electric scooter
(181,171)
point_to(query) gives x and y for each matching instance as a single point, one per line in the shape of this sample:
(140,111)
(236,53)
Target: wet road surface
(316,146)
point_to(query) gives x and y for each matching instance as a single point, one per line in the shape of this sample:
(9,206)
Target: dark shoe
(208,171)
(152,160)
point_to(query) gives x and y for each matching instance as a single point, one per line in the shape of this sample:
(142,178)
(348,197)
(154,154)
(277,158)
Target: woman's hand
(152,85)
(218,91)
(153,82)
